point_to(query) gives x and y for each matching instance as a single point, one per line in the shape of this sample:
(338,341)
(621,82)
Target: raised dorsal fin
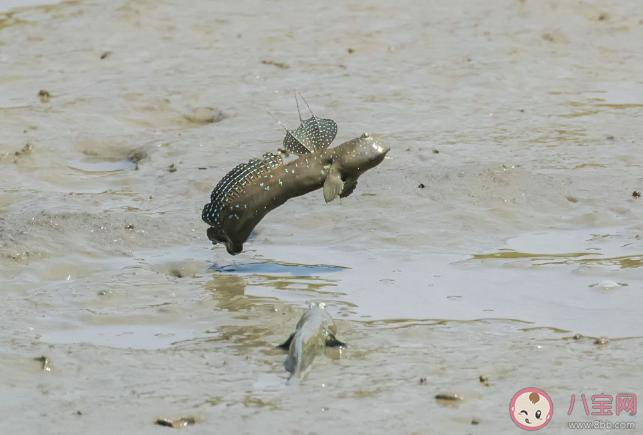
(313,134)
(295,142)
(321,132)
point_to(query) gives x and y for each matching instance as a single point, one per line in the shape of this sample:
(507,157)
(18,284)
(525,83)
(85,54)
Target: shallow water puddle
(123,336)
(547,278)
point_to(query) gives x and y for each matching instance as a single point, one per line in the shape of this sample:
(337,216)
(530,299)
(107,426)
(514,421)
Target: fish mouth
(379,157)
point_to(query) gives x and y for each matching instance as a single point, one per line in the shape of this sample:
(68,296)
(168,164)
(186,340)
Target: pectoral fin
(286,344)
(333,184)
(349,186)
(332,341)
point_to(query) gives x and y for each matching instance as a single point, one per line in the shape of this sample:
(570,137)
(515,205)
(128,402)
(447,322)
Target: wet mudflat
(524,234)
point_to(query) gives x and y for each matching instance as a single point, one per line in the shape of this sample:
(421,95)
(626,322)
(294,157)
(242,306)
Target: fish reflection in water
(276,268)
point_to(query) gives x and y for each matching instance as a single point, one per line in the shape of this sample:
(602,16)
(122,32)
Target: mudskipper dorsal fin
(296,142)
(333,184)
(321,132)
(313,134)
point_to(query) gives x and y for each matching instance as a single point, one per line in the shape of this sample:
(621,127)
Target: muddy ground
(502,225)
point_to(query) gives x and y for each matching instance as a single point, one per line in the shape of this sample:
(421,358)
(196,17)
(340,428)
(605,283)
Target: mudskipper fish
(315,331)
(251,190)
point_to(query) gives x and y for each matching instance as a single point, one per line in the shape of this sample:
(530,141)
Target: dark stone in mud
(351,51)
(636,194)
(105,55)
(422,381)
(171,168)
(448,396)
(602,340)
(578,336)
(436,152)
(47,365)
(25,150)
(280,65)
(421,186)
(44,96)
(181,422)
(475,422)
(484,380)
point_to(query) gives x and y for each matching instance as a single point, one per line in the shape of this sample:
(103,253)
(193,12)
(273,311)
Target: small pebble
(44,96)
(475,422)
(47,365)
(578,336)
(610,137)
(171,168)
(602,340)
(484,379)
(351,51)
(422,381)
(106,54)
(436,152)
(421,186)
(636,194)
(280,65)
(446,396)
(129,227)
(164,422)
(181,422)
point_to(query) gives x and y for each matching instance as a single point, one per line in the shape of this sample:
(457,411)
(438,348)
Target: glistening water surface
(502,225)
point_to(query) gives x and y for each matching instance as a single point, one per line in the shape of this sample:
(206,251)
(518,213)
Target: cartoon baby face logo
(531,409)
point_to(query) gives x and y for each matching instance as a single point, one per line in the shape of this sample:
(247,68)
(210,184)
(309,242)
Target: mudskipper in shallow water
(315,331)
(251,190)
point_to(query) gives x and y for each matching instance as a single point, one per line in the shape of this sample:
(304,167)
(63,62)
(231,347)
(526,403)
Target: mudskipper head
(361,154)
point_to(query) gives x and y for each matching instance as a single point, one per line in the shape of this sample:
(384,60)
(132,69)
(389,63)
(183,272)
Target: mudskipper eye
(365,135)
(538,414)
(524,412)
